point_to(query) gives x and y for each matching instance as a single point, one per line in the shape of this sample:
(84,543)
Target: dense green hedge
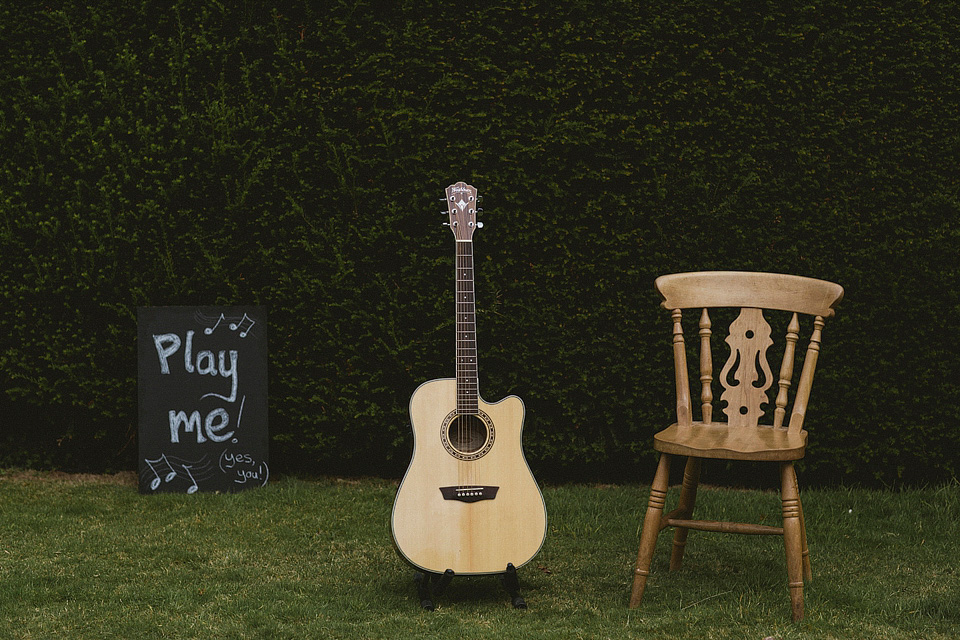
(292,155)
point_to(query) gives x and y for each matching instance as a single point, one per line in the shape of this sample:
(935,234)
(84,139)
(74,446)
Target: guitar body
(468,501)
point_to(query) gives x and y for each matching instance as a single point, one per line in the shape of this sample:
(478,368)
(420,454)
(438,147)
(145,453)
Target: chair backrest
(746,375)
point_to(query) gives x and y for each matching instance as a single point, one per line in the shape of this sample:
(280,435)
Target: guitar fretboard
(467,389)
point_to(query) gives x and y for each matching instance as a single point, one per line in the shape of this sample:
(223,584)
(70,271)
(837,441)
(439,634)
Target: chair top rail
(778,291)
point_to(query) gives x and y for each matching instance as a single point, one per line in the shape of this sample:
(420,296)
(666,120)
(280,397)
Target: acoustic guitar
(468,502)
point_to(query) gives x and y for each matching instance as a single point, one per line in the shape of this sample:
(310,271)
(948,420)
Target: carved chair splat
(746,379)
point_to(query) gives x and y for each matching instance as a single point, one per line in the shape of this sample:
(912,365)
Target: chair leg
(651,529)
(688,497)
(792,537)
(805,552)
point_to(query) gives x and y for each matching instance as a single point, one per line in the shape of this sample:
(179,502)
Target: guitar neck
(467,387)
(461,199)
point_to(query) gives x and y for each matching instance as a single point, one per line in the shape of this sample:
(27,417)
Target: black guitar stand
(431,584)
(424,590)
(512,584)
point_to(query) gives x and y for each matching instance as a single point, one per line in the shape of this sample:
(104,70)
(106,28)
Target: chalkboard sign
(202,398)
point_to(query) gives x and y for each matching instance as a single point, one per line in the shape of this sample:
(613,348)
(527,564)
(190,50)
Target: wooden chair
(745,379)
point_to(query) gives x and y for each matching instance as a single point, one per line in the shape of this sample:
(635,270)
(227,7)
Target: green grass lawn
(88,557)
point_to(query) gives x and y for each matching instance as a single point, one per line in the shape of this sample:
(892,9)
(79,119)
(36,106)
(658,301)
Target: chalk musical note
(193,488)
(210,330)
(238,325)
(156,481)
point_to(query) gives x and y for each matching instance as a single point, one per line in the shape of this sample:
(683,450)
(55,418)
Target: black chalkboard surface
(202,398)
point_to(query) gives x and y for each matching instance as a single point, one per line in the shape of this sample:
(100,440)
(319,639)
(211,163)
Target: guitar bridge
(470,493)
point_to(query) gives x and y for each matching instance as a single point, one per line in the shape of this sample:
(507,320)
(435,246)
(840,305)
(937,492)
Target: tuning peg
(480,210)
(479,225)
(446,224)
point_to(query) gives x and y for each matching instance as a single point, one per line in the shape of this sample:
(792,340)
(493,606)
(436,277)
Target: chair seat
(718,440)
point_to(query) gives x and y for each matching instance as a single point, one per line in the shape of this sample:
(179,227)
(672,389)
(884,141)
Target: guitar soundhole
(467,436)
(467,433)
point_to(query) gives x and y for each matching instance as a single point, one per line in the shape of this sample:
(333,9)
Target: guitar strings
(466,359)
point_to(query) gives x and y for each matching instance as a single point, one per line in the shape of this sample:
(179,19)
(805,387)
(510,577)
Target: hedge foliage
(293,155)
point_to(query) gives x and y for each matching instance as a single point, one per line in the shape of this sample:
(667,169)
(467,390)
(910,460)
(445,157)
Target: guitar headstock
(462,207)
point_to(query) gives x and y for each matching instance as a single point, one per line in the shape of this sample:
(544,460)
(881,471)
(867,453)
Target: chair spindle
(806,376)
(786,371)
(680,369)
(706,369)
